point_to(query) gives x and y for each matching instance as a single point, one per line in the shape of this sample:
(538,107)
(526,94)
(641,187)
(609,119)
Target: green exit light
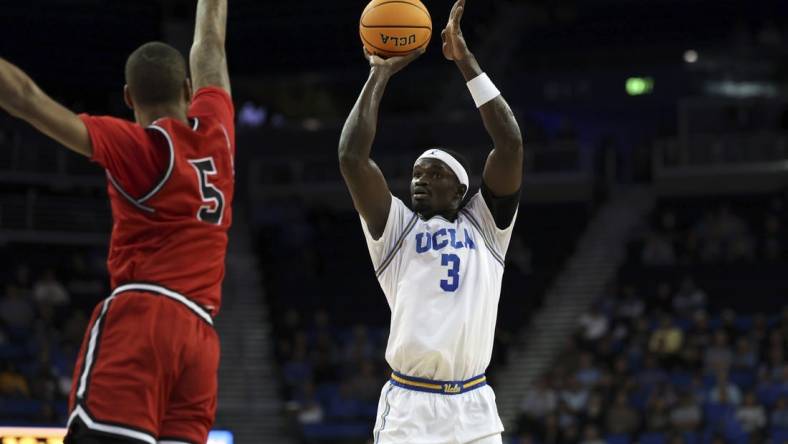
(638,86)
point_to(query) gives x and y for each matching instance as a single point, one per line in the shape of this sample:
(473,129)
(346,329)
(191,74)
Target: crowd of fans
(43,315)
(661,360)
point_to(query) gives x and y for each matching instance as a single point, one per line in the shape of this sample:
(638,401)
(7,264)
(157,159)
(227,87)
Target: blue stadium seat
(20,408)
(779,436)
(745,379)
(349,430)
(681,380)
(617,439)
(690,438)
(652,438)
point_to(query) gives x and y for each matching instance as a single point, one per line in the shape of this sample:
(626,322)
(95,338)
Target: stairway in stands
(249,405)
(599,254)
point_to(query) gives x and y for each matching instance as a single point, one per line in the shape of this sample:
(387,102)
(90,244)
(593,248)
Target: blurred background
(645,294)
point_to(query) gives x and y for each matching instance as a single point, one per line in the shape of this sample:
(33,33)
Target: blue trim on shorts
(438,387)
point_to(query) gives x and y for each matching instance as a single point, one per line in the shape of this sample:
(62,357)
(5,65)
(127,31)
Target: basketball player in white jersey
(440,264)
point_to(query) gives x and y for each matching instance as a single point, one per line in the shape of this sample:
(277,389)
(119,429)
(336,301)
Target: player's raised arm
(208,58)
(368,187)
(503,172)
(22,98)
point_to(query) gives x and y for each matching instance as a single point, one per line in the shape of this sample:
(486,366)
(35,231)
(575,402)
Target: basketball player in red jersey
(147,371)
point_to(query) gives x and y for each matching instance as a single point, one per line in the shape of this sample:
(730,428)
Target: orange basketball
(395,27)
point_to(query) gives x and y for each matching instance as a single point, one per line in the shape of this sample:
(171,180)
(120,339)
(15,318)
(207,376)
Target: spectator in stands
(666,341)
(700,334)
(12,383)
(719,356)
(779,417)
(686,415)
(751,415)
(745,358)
(593,325)
(689,299)
(309,409)
(366,386)
(297,370)
(724,391)
(772,242)
(631,306)
(658,251)
(574,395)
(48,290)
(360,347)
(622,419)
(588,374)
(16,311)
(595,410)
(550,433)
(651,374)
(657,414)
(663,300)
(539,401)
(591,435)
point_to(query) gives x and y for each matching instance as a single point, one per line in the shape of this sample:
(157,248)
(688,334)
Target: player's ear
(461,191)
(127,97)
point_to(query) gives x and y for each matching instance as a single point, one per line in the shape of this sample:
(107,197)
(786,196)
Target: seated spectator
(539,401)
(666,341)
(16,311)
(593,325)
(48,290)
(595,410)
(631,306)
(719,356)
(657,415)
(622,419)
(591,435)
(588,374)
(700,334)
(686,415)
(550,432)
(309,409)
(724,391)
(751,415)
(366,386)
(658,250)
(779,417)
(689,298)
(652,374)
(744,358)
(574,395)
(12,383)
(773,240)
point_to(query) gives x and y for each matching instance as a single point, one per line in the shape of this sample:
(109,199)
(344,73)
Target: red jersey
(171,190)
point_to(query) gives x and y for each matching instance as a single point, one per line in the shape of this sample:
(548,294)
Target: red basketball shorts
(147,369)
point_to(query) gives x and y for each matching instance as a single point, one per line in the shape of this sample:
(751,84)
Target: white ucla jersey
(442,281)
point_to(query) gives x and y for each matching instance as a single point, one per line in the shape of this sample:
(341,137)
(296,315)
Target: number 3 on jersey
(453,262)
(213,199)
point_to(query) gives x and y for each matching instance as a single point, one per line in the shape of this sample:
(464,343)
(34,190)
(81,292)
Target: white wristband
(482,89)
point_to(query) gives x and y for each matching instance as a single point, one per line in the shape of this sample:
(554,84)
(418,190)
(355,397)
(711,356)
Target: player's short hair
(155,73)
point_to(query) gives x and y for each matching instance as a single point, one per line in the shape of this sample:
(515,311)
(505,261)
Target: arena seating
(689,344)
(48,293)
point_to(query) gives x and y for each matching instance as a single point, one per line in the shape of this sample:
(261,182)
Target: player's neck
(147,116)
(449,215)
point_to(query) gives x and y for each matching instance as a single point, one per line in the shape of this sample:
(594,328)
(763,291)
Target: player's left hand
(454,46)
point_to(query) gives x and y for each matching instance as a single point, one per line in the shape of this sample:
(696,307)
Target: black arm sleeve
(502,208)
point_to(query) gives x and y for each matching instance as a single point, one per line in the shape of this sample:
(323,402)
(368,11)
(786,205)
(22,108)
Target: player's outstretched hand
(392,65)
(454,46)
